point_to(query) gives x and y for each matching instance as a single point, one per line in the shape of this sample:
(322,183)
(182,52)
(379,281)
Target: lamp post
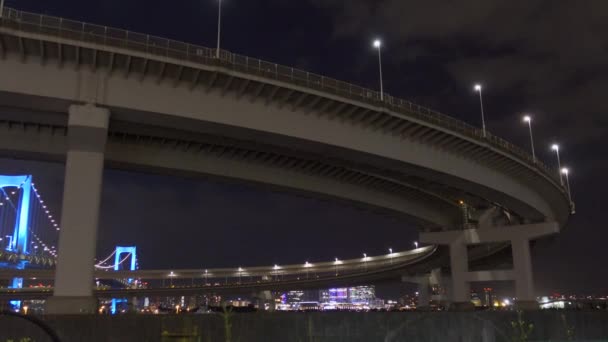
(416,244)
(555,147)
(336,263)
(483,120)
(566,172)
(378,45)
(528,119)
(390,255)
(219,28)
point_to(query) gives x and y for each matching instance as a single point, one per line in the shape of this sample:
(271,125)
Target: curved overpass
(245,279)
(177,109)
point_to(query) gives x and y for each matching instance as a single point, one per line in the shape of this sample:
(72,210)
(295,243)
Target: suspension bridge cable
(115,265)
(106,259)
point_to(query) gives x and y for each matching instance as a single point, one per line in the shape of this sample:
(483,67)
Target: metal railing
(157,46)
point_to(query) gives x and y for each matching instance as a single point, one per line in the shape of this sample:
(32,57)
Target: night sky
(543,57)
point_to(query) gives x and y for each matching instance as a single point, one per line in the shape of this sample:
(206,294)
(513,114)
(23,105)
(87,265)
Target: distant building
(361,294)
(298,296)
(350,295)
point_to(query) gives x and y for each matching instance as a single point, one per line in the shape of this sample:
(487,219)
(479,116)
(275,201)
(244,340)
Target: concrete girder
(2,47)
(323,108)
(42,53)
(77,61)
(22,52)
(299,101)
(94,62)
(227,85)
(336,111)
(271,95)
(285,98)
(144,70)
(242,88)
(312,104)
(194,83)
(161,73)
(111,60)
(395,126)
(379,124)
(128,67)
(367,120)
(349,113)
(211,81)
(258,92)
(178,76)
(361,113)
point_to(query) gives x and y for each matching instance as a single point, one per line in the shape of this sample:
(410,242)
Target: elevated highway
(176,109)
(101,95)
(243,279)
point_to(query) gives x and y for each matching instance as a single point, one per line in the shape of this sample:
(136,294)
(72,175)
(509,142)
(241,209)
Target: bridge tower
(18,242)
(19,239)
(133,265)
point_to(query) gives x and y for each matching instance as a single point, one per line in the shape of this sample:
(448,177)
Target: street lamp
(528,119)
(378,45)
(566,172)
(307,265)
(390,254)
(416,244)
(555,147)
(483,120)
(337,262)
(219,28)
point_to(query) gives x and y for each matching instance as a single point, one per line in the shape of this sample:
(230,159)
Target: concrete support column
(522,267)
(459,263)
(424,297)
(87,135)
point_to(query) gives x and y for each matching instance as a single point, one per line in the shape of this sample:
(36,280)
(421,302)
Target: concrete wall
(308,327)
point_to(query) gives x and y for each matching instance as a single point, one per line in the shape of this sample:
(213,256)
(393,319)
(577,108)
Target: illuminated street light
(337,262)
(528,119)
(566,172)
(483,120)
(378,45)
(219,28)
(416,244)
(390,251)
(555,147)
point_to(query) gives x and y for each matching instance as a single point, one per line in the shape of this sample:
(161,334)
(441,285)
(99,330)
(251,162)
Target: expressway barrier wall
(307,327)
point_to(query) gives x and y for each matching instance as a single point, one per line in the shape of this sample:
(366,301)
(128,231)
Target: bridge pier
(87,135)
(423,282)
(518,236)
